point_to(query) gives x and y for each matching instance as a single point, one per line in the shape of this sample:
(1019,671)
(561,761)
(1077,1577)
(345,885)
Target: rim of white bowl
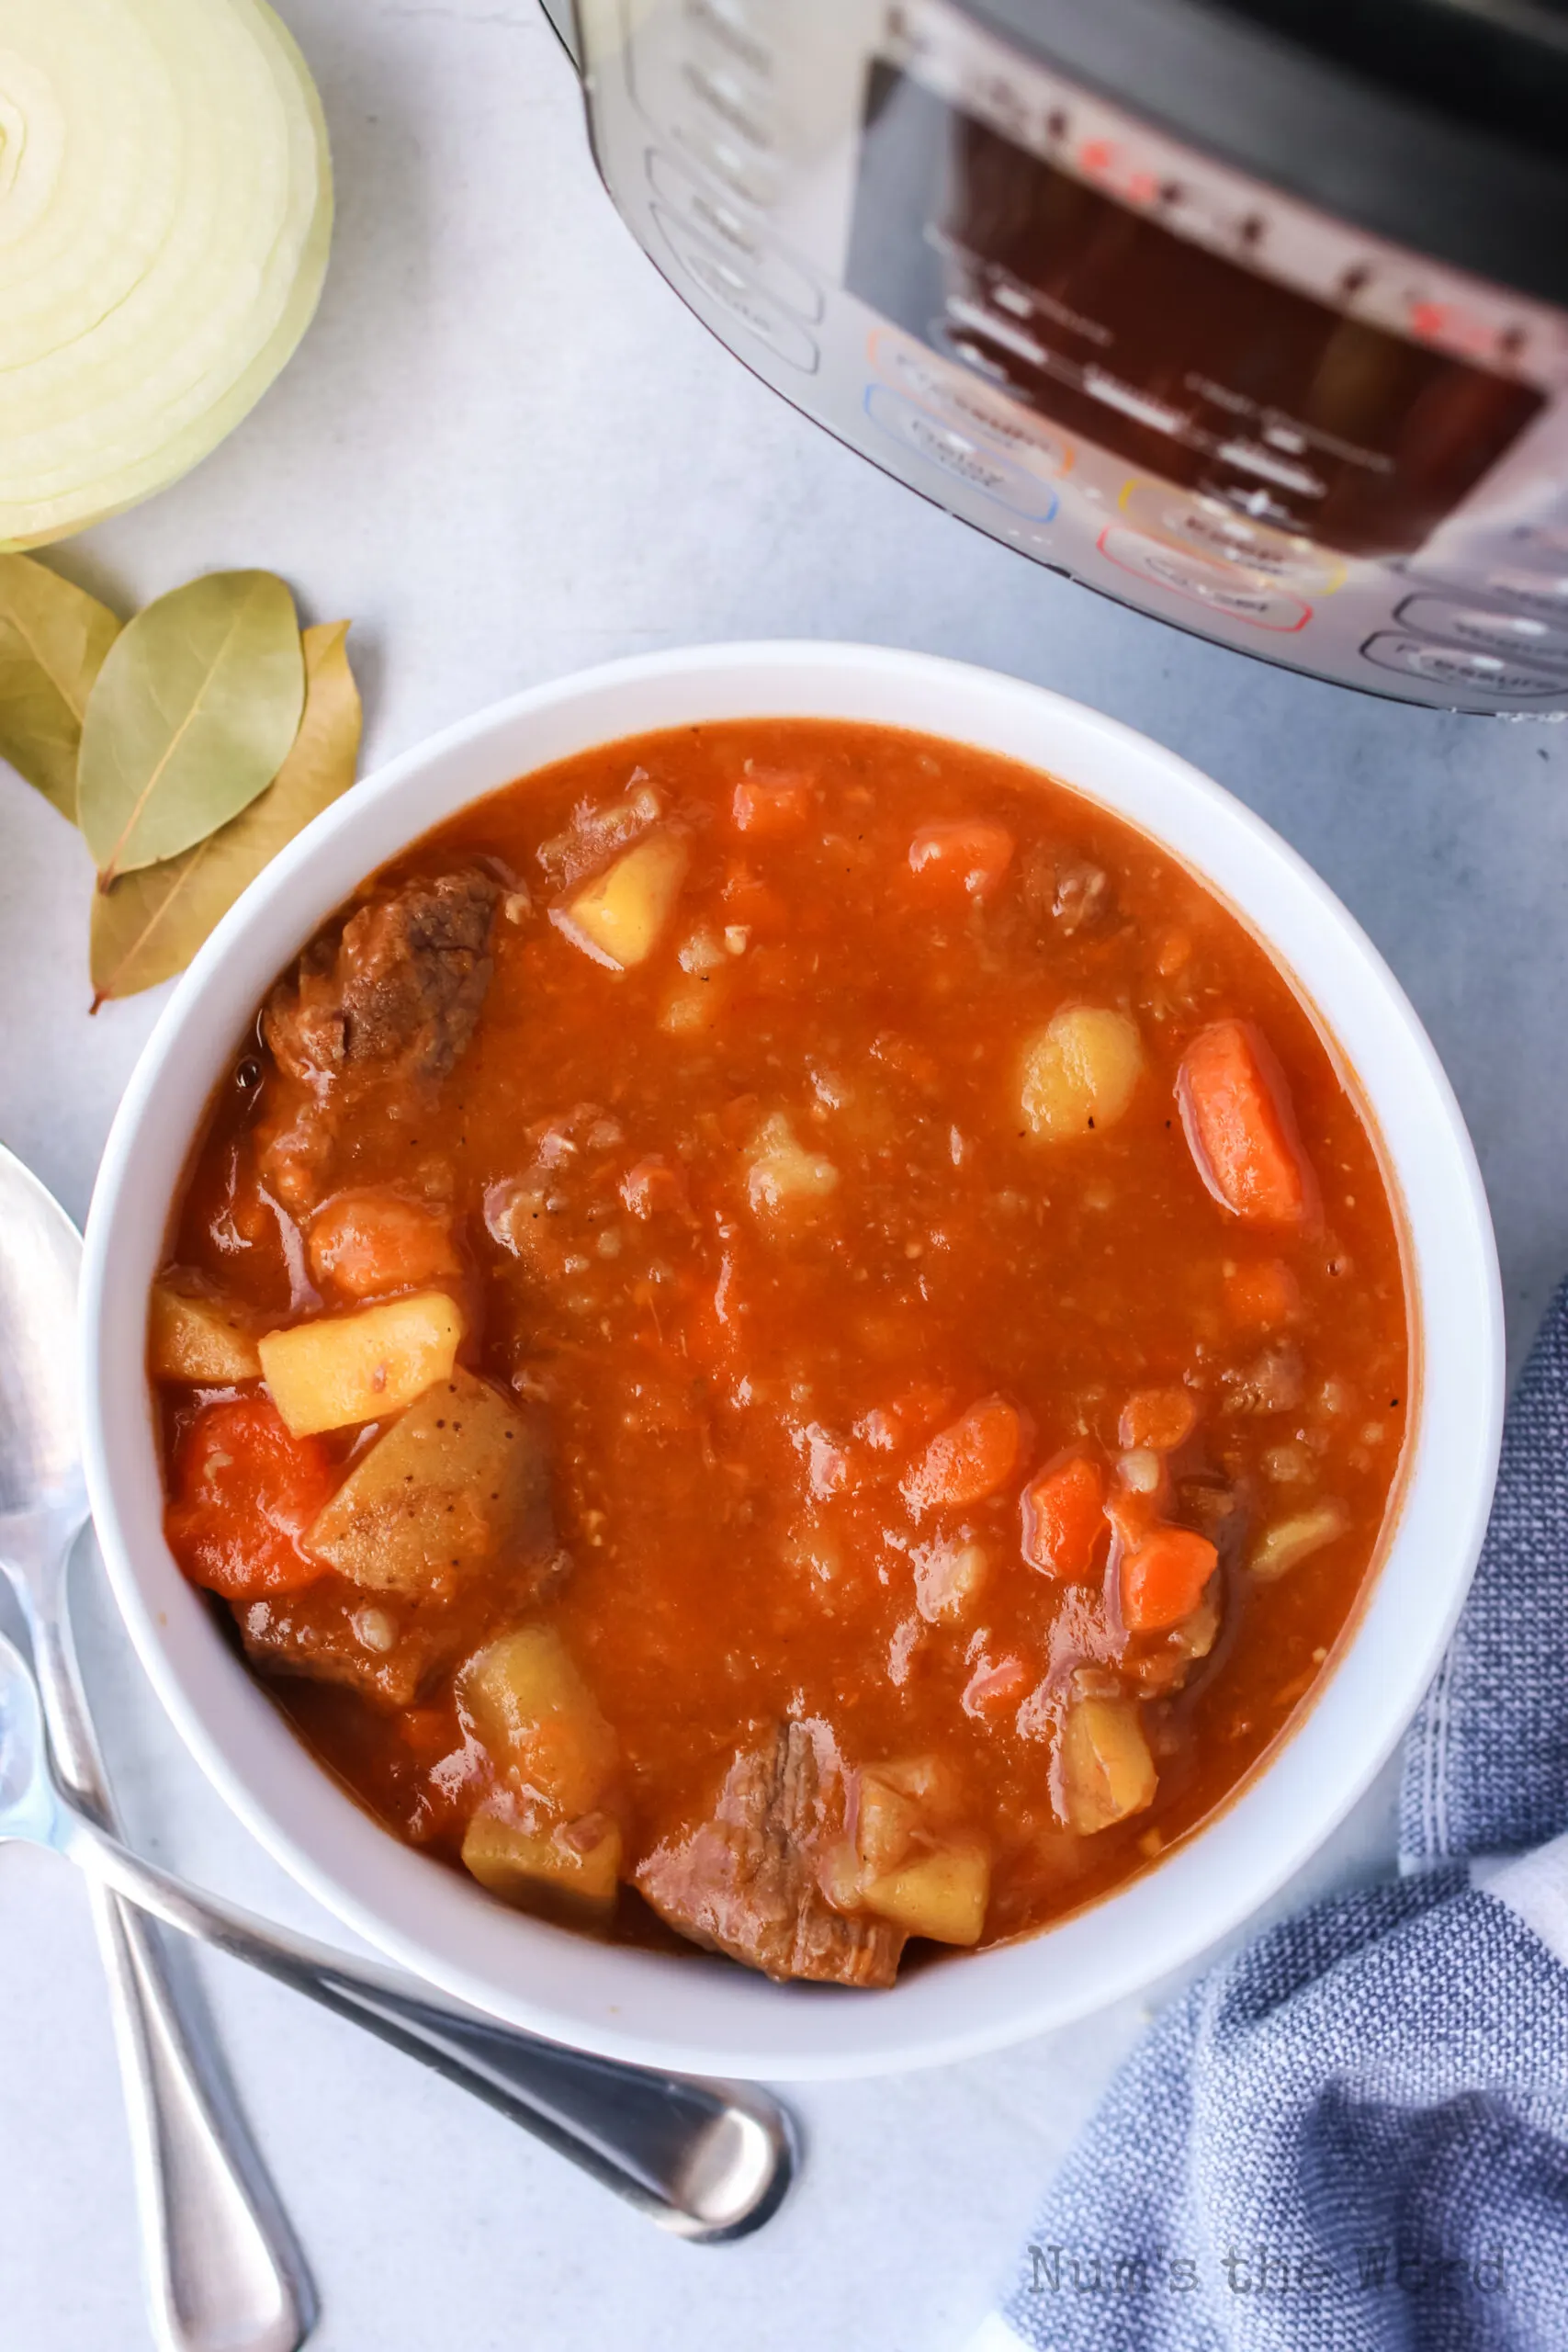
(700,2014)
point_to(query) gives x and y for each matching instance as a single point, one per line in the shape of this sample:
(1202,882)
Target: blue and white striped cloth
(1354,2137)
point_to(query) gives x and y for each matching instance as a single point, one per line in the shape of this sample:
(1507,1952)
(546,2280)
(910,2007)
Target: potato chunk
(886,1820)
(193,1338)
(1107,1770)
(1081,1072)
(902,1812)
(537,1719)
(949,1576)
(1288,1541)
(619,918)
(458,1479)
(348,1368)
(572,1871)
(941,1894)
(782,1179)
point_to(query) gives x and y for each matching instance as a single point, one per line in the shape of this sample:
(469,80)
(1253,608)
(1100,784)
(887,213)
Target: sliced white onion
(165,212)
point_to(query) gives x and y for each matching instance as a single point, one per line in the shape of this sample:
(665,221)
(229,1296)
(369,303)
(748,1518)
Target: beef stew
(787,1338)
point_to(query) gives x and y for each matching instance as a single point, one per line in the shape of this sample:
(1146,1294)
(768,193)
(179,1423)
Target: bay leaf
(148,925)
(192,716)
(54,638)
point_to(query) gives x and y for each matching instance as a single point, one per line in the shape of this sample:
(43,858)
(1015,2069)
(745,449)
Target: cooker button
(1544,592)
(1230,589)
(1538,585)
(726,102)
(953,394)
(719,278)
(735,36)
(728,230)
(1520,635)
(697,101)
(1217,531)
(1465,667)
(961,456)
(756,182)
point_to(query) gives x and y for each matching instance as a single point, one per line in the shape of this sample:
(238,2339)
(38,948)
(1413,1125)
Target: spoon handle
(223,2269)
(704,2160)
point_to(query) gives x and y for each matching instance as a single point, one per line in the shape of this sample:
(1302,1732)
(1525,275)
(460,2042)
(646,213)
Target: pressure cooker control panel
(1133,364)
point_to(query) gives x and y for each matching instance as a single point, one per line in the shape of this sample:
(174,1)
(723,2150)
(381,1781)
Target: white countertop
(507,451)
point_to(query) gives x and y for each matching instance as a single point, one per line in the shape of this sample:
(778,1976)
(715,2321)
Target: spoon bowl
(30,1806)
(223,2266)
(41,1256)
(707,2161)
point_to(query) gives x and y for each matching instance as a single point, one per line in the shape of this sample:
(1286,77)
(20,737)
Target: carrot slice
(244,1492)
(1162,1578)
(968,1460)
(1162,1418)
(771,806)
(969,856)
(1236,1113)
(1064,1519)
(888,1427)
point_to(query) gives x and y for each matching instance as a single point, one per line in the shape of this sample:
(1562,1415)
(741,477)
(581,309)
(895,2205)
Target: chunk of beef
(1274,1382)
(442,1526)
(1166,1666)
(331,1631)
(745,1881)
(397,993)
(391,999)
(1219,1507)
(1071,893)
(386,1645)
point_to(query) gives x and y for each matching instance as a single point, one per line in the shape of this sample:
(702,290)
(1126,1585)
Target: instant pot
(1252,315)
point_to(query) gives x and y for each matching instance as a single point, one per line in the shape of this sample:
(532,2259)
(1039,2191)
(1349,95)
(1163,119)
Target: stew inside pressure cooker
(786,1332)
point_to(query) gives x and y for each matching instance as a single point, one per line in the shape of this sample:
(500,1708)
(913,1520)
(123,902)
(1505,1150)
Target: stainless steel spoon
(223,2269)
(705,2160)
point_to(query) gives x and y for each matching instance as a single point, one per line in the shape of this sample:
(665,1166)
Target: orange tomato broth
(740,1405)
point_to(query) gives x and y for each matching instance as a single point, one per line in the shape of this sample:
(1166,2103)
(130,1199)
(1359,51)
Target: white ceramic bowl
(700,2013)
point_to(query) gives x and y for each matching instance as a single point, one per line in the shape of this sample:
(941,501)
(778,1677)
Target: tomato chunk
(970,1459)
(244,1492)
(771,806)
(1239,1127)
(1064,1525)
(1162,1578)
(969,856)
(369,1241)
